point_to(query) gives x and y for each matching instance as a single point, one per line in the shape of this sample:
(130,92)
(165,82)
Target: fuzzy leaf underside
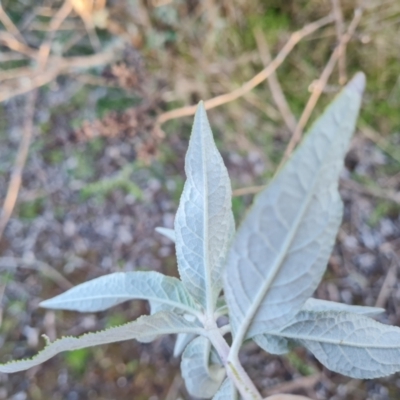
(204,221)
(272,344)
(319,305)
(282,247)
(202,379)
(144,329)
(351,344)
(227,391)
(279,345)
(109,290)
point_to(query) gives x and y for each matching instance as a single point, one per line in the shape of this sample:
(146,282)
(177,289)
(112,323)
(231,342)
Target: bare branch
(273,82)
(16,176)
(256,80)
(337,12)
(9,25)
(56,21)
(55,66)
(318,88)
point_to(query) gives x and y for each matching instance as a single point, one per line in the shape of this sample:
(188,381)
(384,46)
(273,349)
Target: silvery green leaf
(351,344)
(144,329)
(109,290)
(279,345)
(202,379)
(182,340)
(227,391)
(272,344)
(169,233)
(282,247)
(204,221)
(324,305)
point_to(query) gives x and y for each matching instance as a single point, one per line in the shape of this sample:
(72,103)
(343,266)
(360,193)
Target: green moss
(115,319)
(31,209)
(238,207)
(114,100)
(121,180)
(383,209)
(301,365)
(77,360)
(55,156)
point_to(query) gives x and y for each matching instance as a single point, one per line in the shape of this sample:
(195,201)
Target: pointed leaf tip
(204,221)
(357,83)
(200,106)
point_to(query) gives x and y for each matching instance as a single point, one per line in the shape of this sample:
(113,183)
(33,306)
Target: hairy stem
(234,369)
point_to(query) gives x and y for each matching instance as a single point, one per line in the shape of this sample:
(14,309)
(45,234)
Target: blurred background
(94,126)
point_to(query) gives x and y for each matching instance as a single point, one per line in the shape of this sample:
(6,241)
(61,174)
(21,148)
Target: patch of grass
(77,360)
(301,365)
(115,100)
(85,157)
(115,319)
(239,206)
(383,209)
(122,180)
(31,209)
(55,156)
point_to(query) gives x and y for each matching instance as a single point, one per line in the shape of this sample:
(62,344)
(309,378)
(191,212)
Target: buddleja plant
(259,278)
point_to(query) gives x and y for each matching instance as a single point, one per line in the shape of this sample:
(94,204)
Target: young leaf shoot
(260,279)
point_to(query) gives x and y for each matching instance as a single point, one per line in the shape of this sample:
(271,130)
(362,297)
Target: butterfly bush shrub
(259,278)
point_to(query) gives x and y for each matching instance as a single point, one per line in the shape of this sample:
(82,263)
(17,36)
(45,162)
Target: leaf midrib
(206,254)
(336,342)
(278,263)
(126,297)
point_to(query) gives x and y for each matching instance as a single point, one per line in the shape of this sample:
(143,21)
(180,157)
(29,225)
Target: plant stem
(234,369)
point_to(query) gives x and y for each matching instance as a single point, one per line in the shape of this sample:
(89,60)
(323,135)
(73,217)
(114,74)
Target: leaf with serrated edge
(325,305)
(281,249)
(227,391)
(202,379)
(169,233)
(144,329)
(109,290)
(351,344)
(204,220)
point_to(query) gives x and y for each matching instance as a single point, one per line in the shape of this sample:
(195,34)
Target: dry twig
(379,141)
(7,39)
(55,66)
(56,21)
(173,390)
(85,9)
(318,88)
(9,25)
(337,12)
(16,176)
(371,192)
(40,266)
(388,283)
(347,183)
(247,190)
(256,80)
(273,82)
